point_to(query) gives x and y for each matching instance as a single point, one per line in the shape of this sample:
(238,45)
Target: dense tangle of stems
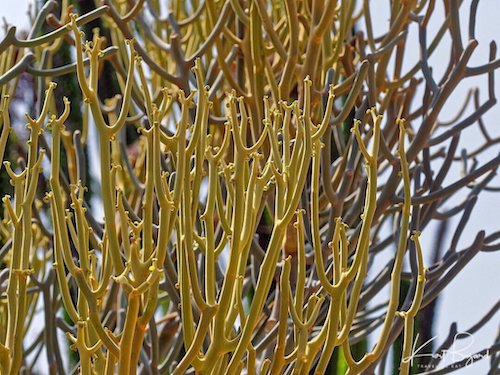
(240,222)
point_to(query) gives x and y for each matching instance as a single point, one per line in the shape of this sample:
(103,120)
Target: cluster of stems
(274,143)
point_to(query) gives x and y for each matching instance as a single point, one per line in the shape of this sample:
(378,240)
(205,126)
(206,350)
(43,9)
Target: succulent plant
(241,217)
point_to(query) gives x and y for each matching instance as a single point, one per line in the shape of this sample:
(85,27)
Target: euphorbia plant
(241,219)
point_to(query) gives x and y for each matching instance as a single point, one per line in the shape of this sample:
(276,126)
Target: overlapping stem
(242,202)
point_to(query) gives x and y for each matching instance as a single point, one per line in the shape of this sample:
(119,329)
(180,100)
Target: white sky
(15,12)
